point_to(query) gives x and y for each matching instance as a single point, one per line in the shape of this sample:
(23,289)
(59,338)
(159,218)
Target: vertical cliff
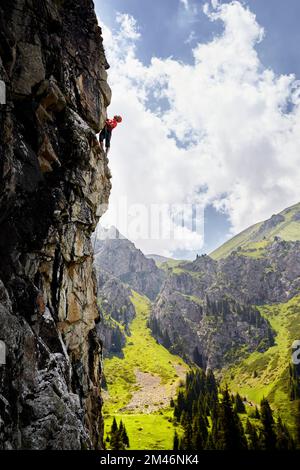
(53,177)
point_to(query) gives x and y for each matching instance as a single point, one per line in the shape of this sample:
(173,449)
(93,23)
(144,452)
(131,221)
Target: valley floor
(141,383)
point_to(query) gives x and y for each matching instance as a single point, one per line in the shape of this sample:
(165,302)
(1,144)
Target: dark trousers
(105,135)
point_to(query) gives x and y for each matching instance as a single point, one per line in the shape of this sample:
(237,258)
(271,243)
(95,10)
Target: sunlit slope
(267,374)
(252,241)
(141,383)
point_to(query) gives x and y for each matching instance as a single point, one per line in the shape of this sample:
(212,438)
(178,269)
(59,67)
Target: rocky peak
(296,216)
(53,178)
(119,257)
(269,225)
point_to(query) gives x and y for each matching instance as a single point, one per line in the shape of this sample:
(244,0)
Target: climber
(105,134)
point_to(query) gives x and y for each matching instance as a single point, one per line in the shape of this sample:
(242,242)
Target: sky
(209,95)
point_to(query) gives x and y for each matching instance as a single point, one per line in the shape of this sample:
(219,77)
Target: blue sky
(173,29)
(165,26)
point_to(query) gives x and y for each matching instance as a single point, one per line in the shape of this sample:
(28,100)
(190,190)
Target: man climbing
(105,134)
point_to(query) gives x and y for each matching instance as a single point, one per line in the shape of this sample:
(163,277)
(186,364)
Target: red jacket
(111,124)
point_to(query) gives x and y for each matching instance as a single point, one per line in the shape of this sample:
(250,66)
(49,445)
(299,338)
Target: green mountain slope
(267,374)
(253,240)
(258,267)
(140,384)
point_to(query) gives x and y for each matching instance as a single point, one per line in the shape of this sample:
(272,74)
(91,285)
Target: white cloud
(128,26)
(229,113)
(185,3)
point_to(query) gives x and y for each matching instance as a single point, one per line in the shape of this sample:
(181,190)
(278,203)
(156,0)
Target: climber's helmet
(118,118)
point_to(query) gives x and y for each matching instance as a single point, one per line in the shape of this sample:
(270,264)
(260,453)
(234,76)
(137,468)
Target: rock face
(273,277)
(53,178)
(205,309)
(213,334)
(268,226)
(121,267)
(119,257)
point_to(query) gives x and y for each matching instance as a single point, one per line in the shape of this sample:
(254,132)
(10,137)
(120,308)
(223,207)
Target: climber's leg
(107,140)
(102,137)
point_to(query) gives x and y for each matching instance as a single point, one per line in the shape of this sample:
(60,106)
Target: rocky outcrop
(296,216)
(268,226)
(120,267)
(53,179)
(213,334)
(118,256)
(273,277)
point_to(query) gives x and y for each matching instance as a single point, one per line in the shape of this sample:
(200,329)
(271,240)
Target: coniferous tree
(257,414)
(211,383)
(197,443)
(114,426)
(210,419)
(187,440)
(202,425)
(124,437)
(176,441)
(230,430)
(210,445)
(121,427)
(116,442)
(239,404)
(294,381)
(118,436)
(284,439)
(180,405)
(195,408)
(268,431)
(214,434)
(298,425)
(252,436)
(184,419)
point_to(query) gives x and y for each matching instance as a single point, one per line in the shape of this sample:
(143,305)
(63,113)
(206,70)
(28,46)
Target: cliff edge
(53,177)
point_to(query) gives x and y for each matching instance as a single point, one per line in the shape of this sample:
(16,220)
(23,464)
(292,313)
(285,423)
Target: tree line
(214,419)
(118,437)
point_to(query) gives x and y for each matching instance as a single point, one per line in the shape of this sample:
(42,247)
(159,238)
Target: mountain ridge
(119,257)
(285,225)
